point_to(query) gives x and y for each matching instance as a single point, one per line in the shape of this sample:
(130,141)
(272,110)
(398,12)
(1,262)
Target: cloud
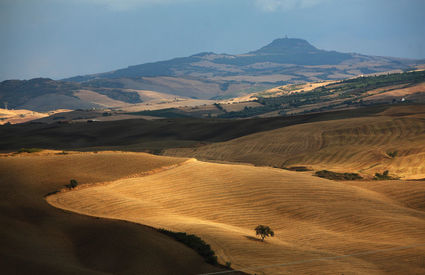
(123,5)
(127,4)
(265,5)
(275,5)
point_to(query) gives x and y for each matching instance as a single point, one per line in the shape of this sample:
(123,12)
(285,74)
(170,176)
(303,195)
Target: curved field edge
(311,217)
(40,239)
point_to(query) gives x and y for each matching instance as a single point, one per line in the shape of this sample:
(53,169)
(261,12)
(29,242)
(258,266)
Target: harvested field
(37,238)
(312,217)
(355,145)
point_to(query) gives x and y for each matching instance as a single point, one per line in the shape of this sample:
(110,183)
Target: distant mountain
(271,57)
(205,75)
(283,61)
(280,56)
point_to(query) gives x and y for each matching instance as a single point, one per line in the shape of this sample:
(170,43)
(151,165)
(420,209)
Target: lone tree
(263,231)
(72,184)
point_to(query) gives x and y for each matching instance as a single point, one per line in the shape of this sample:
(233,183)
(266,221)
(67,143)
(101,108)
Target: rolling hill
(21,116)
(352,228)
(362,145)
(312,97)
(321,225)
(367,140)
(81,132)
(39,239)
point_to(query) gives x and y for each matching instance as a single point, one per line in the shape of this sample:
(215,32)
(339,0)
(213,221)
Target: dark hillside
(44,94)
(152,135)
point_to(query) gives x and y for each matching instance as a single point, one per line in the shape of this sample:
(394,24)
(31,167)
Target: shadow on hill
(40,239)
(253,239)
(153,136)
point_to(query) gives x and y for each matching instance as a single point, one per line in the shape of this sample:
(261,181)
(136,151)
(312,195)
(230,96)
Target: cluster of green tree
(352,90)
(103,83)
(121,95)
(355,88)
(297,99)
(193,242)
(281,103)
(373,82)
(247,112)
(29,150)
(18,92)
(338,176)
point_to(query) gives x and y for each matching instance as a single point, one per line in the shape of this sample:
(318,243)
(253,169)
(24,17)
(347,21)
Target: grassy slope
(312,217)
(39,239)
(19,116)
(343,145)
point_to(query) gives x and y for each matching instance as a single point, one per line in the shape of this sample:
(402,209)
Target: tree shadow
(253,239)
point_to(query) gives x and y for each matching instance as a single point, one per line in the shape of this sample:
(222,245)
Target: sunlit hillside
(21,116)
(391,140)
(37,238)
(363,228)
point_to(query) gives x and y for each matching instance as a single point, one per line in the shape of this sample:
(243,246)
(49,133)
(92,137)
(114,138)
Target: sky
(64,38)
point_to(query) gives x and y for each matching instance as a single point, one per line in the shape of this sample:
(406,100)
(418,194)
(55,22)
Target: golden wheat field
(21,116)
(37,238)
(361,145)
(321,226)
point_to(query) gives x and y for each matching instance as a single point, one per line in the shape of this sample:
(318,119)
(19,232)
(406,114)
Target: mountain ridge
(281,51)
(203,76)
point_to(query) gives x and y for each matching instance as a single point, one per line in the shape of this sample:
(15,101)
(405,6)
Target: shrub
(338,176)
(392,154)
(193,242)
(384,176)
(229,265)
(297,168)
(218,106)
(72,184)
(29,150)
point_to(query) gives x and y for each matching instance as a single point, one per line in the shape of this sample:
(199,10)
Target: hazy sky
(62,38)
